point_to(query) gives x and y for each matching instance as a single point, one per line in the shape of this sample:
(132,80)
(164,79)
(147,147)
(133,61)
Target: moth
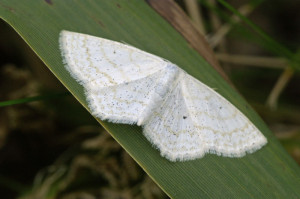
(180,116)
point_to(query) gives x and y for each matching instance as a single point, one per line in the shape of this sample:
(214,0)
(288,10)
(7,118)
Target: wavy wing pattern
(182,117)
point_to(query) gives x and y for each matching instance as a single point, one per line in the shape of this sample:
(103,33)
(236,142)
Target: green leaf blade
(267,173)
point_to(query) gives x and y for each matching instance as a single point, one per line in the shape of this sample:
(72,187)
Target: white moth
(182,117)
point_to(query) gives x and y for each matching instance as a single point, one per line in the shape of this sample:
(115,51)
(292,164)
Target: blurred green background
(42,136)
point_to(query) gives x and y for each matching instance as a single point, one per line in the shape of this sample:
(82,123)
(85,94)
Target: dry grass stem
(279,87)
(215,39)
(216,24)
(269,62)
(194,12)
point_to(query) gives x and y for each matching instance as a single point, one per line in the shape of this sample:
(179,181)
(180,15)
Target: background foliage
(84,162)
